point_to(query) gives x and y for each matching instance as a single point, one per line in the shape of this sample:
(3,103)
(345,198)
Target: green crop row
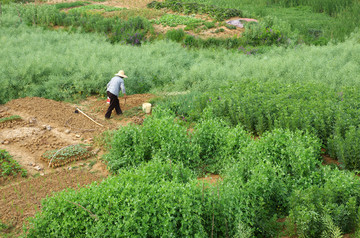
(9,166)
(94,9)
(190,8)
(275,177)
(328,113)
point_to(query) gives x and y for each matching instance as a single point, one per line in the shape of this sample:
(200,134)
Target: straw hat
(121,74)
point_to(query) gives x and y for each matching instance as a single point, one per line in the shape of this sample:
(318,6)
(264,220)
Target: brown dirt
(50,125)
(211,179)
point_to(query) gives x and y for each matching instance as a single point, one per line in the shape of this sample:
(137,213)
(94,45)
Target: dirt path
(50,125)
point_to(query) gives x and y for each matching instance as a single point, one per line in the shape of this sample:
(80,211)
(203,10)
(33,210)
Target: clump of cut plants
(60,157)
(218,13)
(175,20)
(64,5)
(9,166)
(10,118)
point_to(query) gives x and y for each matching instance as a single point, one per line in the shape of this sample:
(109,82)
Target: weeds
(10,167)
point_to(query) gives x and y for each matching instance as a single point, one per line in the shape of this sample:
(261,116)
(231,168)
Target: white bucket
(146,107)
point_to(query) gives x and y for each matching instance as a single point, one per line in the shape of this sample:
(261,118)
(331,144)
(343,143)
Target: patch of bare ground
(211,179)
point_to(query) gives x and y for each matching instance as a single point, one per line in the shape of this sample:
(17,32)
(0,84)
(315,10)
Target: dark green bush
(337,198)
(159,137)
(175,35)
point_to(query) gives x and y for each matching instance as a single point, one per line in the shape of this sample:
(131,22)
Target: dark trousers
(114,103)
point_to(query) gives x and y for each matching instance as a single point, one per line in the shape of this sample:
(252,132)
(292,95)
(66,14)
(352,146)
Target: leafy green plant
(10,167)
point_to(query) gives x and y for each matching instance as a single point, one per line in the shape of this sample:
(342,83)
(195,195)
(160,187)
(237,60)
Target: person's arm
(122,86)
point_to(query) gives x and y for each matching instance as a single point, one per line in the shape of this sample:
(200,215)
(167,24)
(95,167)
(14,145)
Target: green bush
(337,198)
(347,148)
(159,137)
(154,200)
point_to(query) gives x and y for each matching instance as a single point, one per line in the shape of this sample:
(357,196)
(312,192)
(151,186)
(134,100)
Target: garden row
(332,114)
(263,180)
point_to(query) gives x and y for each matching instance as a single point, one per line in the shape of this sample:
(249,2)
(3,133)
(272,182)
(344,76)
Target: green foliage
(330,231)
(347,148)
(210,24)
(263,34)
(10,167)
(211,135)
(316,22)
(152,201)
(159,138)
(10,118)
(218,13)
(336,199)
(329,6)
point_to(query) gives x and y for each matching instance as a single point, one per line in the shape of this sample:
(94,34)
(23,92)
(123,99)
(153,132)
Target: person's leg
(112,105)
(117,106)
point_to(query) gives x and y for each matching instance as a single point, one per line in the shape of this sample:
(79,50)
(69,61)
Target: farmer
(112,91)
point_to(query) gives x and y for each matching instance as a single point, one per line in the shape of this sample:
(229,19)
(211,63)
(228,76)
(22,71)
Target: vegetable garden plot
(65,155)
